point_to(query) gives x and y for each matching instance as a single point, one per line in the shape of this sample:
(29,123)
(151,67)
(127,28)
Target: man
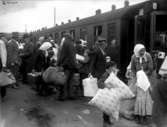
(13,61)
(27,57)
(3,56)
(67,60)
(98,64)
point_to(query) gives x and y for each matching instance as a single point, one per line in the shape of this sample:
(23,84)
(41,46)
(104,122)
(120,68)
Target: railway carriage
(145,22)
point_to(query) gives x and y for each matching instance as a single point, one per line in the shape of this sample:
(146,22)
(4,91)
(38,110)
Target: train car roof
(110,15)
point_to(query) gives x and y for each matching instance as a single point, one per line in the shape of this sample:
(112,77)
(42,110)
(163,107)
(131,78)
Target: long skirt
(143,103)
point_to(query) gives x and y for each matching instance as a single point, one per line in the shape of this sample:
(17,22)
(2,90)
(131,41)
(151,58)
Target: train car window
(83,34)
(98,30)
(62,33)
(161,23)
(72,32)
(111,31)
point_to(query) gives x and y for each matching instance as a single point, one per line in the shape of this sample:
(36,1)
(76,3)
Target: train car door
(140,28)
(159,29)
(97,31)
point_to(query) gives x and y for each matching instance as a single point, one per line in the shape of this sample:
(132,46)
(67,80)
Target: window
(97,31)
(83,34)
(111,31)
(62,33)
(72,33)
(161,23)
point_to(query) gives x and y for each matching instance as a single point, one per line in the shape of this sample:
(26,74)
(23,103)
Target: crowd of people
(99,60)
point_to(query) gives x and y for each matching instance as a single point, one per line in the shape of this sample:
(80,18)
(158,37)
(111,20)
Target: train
(145,22)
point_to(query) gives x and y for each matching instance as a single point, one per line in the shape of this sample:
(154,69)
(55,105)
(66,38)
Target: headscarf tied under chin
(137,49)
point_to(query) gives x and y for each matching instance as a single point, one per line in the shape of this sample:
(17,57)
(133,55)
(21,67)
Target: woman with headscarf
(142,60)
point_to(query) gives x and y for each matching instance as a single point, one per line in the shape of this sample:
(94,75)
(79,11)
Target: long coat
(28,56)
(13,52)
(160,103)
(98,64)
(67,55)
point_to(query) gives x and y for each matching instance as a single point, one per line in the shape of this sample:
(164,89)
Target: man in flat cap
(99,60)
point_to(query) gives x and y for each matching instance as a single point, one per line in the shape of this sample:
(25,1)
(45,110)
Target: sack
(54,75)
(142,80)
(163,68)
(90,86)
(115,82)
(107,100)
(6,78)
(80,58)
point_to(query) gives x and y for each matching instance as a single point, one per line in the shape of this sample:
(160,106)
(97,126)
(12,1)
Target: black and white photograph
(83,63)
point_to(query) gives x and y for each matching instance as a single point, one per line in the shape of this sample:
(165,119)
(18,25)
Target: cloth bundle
(163,69)
(6,78)
(114,82)
(142,80)
(54,75)
(108,100)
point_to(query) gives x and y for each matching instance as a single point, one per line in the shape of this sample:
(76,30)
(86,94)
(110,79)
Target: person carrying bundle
(142,66)
(110,67)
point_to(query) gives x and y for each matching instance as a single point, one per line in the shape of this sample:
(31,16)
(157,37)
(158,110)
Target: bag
(163,68)
(80,58)
(142,80)
(107,100)
(6,78)
(115,82)
(54,75)
(90,86)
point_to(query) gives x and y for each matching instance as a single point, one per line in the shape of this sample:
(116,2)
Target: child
(111,67)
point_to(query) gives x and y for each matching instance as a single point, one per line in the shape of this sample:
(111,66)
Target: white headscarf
(137,49)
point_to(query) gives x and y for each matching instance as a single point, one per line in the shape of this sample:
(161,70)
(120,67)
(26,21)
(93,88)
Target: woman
(141,60)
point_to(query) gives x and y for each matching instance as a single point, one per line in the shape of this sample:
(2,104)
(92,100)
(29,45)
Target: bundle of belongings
(7,78)
(108,100)
(54,75)
(163,68)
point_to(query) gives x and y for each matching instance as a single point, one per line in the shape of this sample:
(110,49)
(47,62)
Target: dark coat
(67,55)
(28,56)
(98,64)
(12,53)
(113,53)
(160,103)
(41,62)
